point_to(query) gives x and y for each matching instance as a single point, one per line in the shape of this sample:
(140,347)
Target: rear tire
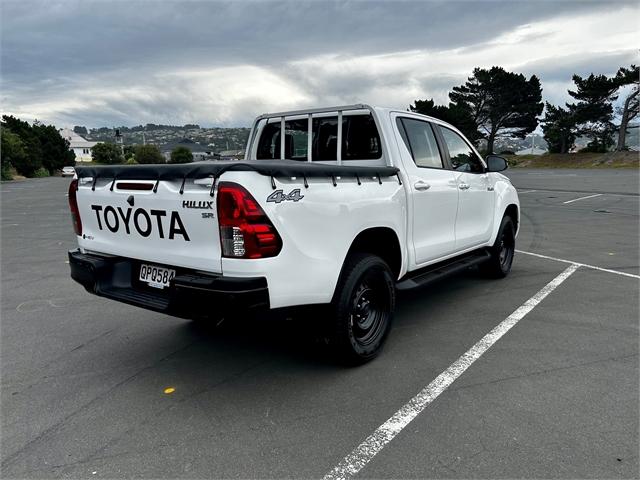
(502,251)
(362,308)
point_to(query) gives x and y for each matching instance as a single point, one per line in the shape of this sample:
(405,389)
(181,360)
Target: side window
(463,158)
(420,141)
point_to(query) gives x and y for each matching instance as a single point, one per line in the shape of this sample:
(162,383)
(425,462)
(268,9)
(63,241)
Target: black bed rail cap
(273,168)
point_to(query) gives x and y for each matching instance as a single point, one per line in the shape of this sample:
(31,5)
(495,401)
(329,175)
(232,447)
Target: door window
(463,158)
(420,140)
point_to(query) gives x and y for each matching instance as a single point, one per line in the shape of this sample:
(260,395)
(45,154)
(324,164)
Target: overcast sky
(221,63)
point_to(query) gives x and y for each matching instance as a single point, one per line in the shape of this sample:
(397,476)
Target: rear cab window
(360,139)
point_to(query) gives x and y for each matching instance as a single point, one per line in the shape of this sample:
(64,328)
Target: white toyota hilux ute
(338,207)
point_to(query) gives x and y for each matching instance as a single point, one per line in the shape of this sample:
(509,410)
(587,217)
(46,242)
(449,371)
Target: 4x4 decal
(279,196)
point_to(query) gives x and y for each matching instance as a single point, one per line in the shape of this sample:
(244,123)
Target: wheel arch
(380,241)
(513,211)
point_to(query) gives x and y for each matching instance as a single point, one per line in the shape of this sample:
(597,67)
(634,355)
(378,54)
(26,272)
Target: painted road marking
(554,190)
(583,198)
(363,453)
(586,265)
(527,191)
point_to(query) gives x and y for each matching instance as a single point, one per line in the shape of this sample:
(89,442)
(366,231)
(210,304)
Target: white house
(79,146)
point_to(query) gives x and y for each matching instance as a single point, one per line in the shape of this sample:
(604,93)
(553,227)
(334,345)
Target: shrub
(6,171)
(41,173)
(106,153)
(181,155)
(148,154)
(131,160)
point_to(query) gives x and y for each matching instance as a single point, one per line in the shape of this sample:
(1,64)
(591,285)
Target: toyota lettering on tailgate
(141,220)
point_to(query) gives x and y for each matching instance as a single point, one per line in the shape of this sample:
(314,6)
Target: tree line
(36,150)
(493,103)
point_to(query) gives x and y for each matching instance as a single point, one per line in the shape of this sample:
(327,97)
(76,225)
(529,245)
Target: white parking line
(586,265)
(527,191)
(363,453)
(584,198)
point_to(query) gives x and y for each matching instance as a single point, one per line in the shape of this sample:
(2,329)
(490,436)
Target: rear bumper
(191,294)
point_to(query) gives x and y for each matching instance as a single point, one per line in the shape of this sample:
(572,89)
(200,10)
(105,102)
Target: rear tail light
(73,206)
(245,230)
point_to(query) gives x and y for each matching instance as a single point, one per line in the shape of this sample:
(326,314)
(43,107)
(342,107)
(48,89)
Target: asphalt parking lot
(83,378)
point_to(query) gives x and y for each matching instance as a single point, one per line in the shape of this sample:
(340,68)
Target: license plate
(156,277)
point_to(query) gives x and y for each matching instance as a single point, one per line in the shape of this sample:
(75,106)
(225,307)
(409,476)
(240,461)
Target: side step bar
(439,270)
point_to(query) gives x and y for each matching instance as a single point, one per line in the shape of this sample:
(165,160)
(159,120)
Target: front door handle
(463,186)
(421,186)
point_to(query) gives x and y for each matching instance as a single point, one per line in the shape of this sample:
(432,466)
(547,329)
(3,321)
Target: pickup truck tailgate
(151,221)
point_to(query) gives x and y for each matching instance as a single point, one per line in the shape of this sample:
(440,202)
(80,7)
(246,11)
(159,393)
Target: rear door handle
(463,186)
(421,186)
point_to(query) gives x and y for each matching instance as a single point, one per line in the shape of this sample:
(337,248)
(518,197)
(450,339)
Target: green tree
(500,103)
(560,129)
(31,161)
(107,153)
(57,153)
(80,130)
(631,108)
(457,116)
(594,110)
(181,155)
(12,151)
(148,154)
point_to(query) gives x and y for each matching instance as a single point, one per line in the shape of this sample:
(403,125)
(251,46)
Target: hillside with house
(216,140)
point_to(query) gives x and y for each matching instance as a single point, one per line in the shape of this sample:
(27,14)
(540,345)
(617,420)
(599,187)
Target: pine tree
(594,110)
(559,127)
(500,103)
(631,108)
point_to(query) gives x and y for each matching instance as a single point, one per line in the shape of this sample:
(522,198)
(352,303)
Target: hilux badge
(202,204)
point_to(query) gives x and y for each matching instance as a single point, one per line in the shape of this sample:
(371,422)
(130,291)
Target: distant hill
(213,139)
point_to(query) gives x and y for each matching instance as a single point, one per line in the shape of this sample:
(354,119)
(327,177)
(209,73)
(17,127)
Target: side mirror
(496,163)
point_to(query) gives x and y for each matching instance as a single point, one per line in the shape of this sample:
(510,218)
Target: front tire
(502,251)
(362,308)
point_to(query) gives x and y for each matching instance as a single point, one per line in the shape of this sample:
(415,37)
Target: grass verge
(576,160)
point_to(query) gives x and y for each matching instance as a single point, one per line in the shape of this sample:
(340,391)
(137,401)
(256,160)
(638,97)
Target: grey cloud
(45,39)
(56,50)
(562,68)
(555,73)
